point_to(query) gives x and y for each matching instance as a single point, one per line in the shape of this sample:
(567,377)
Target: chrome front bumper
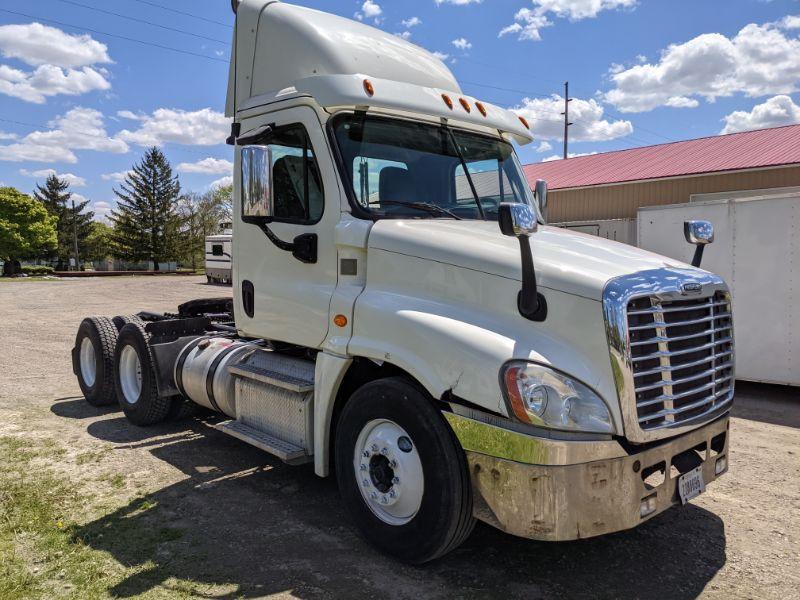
(567,497)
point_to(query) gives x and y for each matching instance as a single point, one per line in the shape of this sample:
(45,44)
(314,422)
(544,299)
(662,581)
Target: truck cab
(404,318)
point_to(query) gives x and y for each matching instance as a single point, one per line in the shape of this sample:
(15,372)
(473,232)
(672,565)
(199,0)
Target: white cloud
(78,129)
(8,136)
(117,176)
(776,111)
(458,2)
(759,60)
(62,63)
(406,35)
(222,182)
(544,146)
(101,210)
(216,166)
(569,155)
(462,44)
(791,22)
(370,10)
(412,22)
(71,179)
(528,21)
(49,80)
(203,127)
(443,56)
(36,44)
(586,116)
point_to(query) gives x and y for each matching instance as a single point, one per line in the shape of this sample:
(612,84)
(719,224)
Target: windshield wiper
(426,206)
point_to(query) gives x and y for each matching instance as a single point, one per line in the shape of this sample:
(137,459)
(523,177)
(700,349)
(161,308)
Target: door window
(296,181)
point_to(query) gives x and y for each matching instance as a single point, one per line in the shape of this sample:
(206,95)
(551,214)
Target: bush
(37,270)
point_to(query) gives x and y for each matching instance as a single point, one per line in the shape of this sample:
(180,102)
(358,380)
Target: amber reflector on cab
(481,108)
(368,87)
(524,122)
(340,321)
(447,101)
(464,104)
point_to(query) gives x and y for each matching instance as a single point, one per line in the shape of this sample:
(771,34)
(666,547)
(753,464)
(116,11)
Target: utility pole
(75,237)
(567,100)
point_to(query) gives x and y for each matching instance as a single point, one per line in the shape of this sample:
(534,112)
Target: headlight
(543,396)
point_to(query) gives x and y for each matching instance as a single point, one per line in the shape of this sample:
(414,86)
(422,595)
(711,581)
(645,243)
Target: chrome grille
(681,353)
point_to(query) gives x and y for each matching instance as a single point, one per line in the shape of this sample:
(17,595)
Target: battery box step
(286,451)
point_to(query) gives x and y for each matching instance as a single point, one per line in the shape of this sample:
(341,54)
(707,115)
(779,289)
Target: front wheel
(401,473)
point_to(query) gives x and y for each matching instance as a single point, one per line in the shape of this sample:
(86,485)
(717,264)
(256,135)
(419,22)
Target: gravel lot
(255,527)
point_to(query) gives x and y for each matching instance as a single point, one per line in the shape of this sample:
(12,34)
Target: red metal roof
(731,152)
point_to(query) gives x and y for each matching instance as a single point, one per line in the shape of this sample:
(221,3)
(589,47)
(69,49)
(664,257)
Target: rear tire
(401,472)
(135,378)
(121,320)
(181,408)
(93,360)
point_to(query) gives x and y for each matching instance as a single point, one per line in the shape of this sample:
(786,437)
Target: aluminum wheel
(130,374)
(88,362)
(389,471)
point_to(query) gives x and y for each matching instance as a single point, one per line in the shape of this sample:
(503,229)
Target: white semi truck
(437,346)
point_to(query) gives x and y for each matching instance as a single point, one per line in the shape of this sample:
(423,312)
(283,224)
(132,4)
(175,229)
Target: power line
(115,14)
(185,14)
(114,35)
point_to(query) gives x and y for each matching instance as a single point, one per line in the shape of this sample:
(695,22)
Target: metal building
(613,185)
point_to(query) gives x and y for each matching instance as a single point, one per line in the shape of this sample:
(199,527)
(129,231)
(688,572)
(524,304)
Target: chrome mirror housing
(256,172)
(541,196)
(698,232)
(516,219)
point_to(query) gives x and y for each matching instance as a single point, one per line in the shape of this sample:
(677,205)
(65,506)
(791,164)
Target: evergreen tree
(146,221)
(71,217)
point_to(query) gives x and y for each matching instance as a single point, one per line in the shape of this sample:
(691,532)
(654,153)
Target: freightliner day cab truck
(404,319)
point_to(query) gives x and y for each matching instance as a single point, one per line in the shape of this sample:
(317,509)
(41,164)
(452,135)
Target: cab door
(282,292)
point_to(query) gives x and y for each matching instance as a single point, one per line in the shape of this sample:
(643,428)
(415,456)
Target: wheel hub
(130,374)
(88,362)
(389,471)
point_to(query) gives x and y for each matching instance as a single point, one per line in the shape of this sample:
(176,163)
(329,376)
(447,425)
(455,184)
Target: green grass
(58,541)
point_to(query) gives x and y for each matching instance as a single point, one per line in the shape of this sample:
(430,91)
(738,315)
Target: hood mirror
(519,221)
(540,192)
(698,233)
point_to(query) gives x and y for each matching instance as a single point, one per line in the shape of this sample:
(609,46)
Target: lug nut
(365,481)
(374,447)
(363,467)
(374,495)
(384,500)
(365,454)
(393,464)
(384,451)
(392,494)
(395,480)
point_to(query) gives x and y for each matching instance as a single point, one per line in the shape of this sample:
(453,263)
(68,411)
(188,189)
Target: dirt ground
(249,526)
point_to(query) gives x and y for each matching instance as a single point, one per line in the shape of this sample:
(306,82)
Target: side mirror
(519,221)
(540,192)
(698,233)
(516,219)
(256,172)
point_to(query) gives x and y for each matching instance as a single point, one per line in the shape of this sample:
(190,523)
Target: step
(272,377)
(286,451)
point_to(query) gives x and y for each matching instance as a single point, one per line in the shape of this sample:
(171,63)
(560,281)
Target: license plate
(691,484)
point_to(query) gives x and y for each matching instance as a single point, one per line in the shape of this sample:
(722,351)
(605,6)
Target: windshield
(409,169)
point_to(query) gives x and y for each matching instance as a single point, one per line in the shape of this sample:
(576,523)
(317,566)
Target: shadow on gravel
(249,525)
(773,404)
(75,407)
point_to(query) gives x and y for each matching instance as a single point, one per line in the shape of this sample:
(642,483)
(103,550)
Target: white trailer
(756,249)
(436,345)
(618,230)
(219,258)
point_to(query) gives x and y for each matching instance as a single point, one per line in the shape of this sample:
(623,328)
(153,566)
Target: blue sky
(86,103)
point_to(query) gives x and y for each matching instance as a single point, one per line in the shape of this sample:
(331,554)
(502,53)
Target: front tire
(135,378)
(93,360)
(401,472)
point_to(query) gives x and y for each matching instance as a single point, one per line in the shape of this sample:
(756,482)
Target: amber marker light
(524,121)
(447,101)
(340,321)
(368,88)
(481,108)
(517,404)
(464,104)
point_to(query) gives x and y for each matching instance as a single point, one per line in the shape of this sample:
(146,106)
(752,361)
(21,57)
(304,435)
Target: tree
(202,215)
(71,221)
(26,228)
(146,221)
(99,242)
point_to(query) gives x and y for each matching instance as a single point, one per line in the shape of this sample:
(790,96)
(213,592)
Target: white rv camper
(219,258)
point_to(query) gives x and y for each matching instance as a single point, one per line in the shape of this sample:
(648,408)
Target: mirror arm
(698,255)
(530,302)
(303,247)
